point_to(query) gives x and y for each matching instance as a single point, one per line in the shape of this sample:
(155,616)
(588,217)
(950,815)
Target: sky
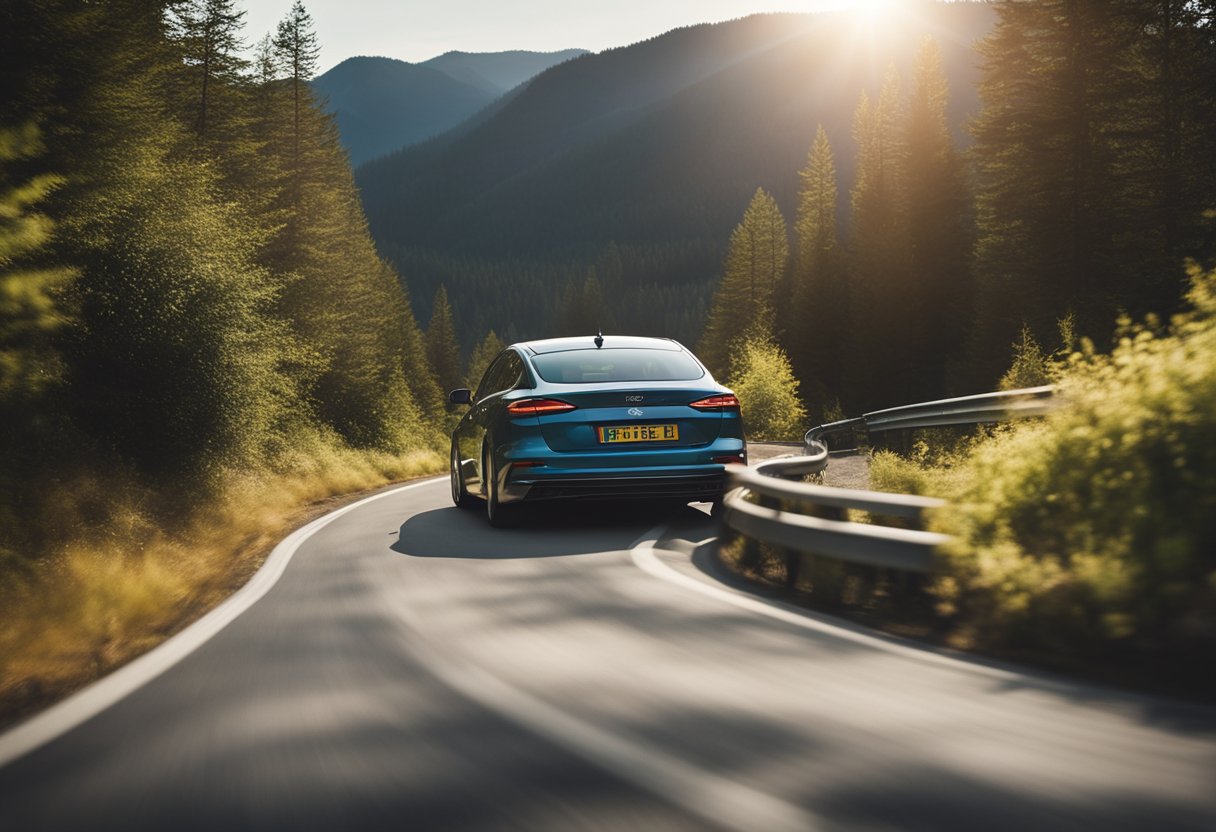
(415,30)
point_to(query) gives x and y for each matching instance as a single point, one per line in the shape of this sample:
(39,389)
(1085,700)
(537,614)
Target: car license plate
(639,433)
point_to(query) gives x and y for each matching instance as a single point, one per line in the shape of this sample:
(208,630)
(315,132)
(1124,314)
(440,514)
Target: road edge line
(644,557)
(643,554)
(62,717)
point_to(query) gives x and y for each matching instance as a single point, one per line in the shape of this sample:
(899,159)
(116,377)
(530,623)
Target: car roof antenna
(599,339)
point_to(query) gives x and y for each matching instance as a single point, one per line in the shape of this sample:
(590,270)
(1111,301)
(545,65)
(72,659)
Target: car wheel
(459,495)
(497,514)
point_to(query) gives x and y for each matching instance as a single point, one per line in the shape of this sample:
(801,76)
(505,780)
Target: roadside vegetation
(762,377)
(1097,525)
(197,337)
(1085,539)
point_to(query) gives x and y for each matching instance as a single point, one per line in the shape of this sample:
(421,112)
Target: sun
(875,8)
(872,11)
(873,18)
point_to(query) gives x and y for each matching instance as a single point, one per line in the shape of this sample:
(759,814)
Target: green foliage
(815,322)
(30,297)
(483,354)
(582,310)
(893,473)
(208,33)
(940,229)
(1092,154)
(1030,367)
(442,348)
(883,305)
(932,468)
(743,305)
(210,301)
(296,52)
(1098,524)
(176,359)
(768,391)
(910,291)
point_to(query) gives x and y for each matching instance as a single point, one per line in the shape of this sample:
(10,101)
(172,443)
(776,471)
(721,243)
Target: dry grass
(104,597)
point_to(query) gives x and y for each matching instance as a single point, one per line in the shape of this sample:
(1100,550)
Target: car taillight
(727,402)
(538,407)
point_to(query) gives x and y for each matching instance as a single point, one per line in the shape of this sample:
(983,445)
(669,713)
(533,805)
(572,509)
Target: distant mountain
(497,72)
(639,161)
(383,104)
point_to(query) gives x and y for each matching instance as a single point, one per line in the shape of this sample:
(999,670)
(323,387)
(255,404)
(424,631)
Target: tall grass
(122,576)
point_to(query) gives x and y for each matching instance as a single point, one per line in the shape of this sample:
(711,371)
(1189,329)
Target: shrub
(765,384)
(1098,524)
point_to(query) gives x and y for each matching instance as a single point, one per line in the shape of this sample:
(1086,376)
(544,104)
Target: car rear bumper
(692,486)
(531,471)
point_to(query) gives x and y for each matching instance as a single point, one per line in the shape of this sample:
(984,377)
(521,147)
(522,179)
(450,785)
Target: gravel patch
(849,470)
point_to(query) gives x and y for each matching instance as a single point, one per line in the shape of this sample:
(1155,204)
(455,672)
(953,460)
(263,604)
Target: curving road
(413,669)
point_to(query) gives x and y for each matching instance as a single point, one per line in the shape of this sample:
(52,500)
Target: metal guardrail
(826,532)
(833,536)
(967,410)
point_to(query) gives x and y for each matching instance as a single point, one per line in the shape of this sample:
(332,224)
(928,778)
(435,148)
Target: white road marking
(644,557)
(92,700)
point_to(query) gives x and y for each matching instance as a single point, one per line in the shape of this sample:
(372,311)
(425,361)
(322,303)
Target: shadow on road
(543,530)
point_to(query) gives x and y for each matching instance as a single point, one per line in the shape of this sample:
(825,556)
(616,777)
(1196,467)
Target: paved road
(413,669)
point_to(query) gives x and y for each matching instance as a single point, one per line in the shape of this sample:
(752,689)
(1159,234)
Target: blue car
(609,417)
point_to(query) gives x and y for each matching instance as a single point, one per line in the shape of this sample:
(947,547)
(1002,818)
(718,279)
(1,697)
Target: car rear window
(597,366)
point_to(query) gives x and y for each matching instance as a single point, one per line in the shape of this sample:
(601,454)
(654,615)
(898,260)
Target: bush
(765,384)
(1098,524)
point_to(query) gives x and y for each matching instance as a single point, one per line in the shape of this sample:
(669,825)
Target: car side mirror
(462,395)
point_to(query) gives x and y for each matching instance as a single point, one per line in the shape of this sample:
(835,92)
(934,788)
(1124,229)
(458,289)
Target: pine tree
(297,52)
(882,303)
(483,354)
(1052,194)
(819,308)
(204,313)
(348,309)
(172,359)
(1167,143)
(582,310)
(209,35)
(442,346)
(743,303)
(427,399)
(939,227)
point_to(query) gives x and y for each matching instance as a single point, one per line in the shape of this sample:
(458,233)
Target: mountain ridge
(383,104)
(498,72)
(638,161)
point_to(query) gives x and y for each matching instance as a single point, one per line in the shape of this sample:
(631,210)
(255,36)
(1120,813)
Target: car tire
(460,495)
(498,515)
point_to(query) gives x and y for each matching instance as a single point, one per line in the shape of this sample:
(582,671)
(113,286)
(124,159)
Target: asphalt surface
(414,669)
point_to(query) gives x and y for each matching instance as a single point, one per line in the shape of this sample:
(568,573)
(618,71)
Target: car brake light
(538,407)
(727,402)
(734,459)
